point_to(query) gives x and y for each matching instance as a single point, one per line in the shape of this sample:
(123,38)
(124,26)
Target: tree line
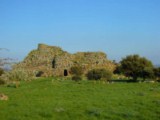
(135,67)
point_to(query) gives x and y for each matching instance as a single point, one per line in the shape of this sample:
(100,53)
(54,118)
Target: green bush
(1,71)
(17,75)
(157,73)
(76,70)
(98,74)
(2,82)
(158,80)
(117,70)
(76,78)
(39,73)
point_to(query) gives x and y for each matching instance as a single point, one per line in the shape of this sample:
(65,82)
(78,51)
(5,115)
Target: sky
(116,27)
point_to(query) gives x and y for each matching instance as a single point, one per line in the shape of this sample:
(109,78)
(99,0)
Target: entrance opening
(53,63)
(65,72)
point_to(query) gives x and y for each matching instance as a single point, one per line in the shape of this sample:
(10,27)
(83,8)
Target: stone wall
(53,61)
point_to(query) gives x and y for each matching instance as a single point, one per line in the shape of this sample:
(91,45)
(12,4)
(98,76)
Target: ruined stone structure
(53,61)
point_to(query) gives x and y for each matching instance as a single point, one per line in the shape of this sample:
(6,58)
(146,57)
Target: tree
(1,71)
(147,73)
(117,70)
(135,66)
(157,73)
(77,72)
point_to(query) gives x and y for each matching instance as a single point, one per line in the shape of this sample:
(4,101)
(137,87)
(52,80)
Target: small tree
(157,73)
(117,70)
(77,72)
(147,73)
(1,80)
(98,74)
(1,71)
(135,66)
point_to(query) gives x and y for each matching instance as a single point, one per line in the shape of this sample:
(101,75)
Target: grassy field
(47,99)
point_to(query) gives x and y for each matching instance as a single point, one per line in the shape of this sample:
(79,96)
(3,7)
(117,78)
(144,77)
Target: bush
(76,70)
(17,75)
(39,73)
(117,70)
(76,78)
(2,82)
(1,71)
(98,74)
(157,73)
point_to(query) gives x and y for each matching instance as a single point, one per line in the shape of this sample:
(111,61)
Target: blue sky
(117,27)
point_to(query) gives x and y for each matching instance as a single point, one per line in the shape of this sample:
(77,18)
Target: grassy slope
(46,100)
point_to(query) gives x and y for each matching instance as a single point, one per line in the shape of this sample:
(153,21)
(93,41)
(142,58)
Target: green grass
(44,99)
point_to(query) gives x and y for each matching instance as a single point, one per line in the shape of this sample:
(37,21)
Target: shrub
(98,74)
(1,71)
(39,73)
(158,80)
(117,70)
(76,70)
(2,82)
(157,73)
(76,78)
(17,75)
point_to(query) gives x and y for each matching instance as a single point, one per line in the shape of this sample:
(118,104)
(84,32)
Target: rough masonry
(53,61)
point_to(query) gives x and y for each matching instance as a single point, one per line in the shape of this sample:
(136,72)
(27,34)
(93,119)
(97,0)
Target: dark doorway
(53,63)
(65,72)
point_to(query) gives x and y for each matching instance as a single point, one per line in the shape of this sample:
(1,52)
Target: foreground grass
(47,99)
